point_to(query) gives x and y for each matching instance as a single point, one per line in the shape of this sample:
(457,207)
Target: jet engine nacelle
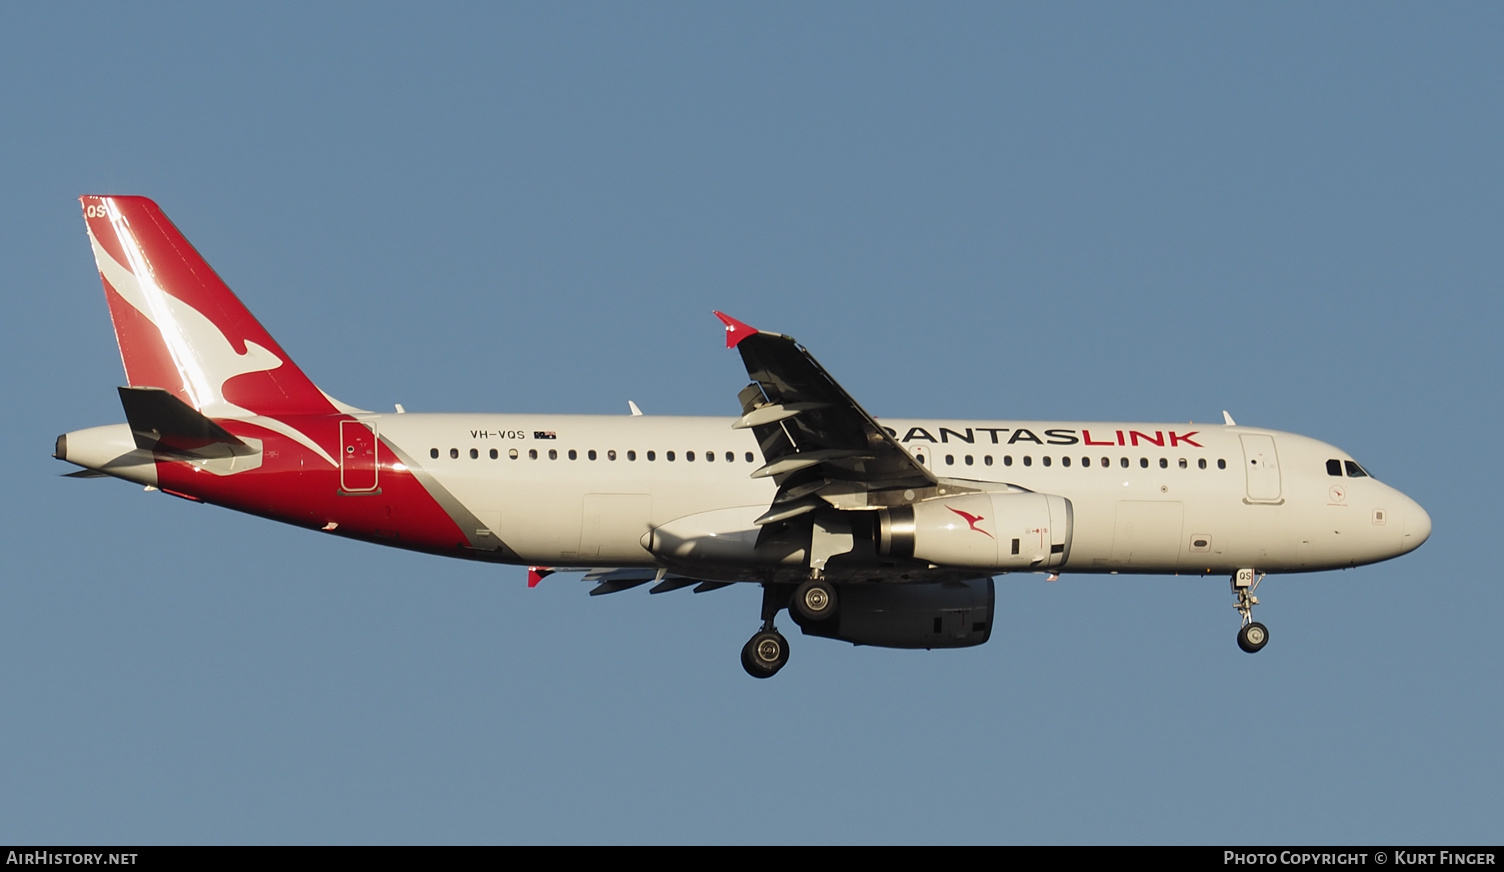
(887,615)
(998,531)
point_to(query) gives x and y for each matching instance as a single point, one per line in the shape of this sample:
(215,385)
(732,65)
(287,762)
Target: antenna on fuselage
(637,413)
(1227,419)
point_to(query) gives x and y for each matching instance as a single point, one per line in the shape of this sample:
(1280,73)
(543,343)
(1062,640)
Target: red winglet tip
(536,574)
(736,331)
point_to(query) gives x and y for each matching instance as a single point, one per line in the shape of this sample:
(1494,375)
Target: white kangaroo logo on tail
(202,353)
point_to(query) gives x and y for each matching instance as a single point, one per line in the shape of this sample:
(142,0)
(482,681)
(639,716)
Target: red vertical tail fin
(180,328)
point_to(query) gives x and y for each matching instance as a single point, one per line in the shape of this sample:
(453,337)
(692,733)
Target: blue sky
(1145,212)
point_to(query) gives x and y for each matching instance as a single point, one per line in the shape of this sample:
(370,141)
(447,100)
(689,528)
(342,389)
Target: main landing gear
(767,652)
(813,601)
(1252,636)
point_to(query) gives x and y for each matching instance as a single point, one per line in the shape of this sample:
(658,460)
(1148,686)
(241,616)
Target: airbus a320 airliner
(876,533)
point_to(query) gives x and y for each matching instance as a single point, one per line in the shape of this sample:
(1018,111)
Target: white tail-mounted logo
(204,357)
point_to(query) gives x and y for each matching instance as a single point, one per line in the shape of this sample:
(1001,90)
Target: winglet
(536,574)
(736,331)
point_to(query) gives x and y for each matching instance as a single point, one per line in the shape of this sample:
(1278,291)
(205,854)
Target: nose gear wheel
(1252,636)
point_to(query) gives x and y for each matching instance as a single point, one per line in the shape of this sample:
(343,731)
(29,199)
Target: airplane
(885,533)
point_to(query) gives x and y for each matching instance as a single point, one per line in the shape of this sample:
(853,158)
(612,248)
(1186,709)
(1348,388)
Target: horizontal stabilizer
(161,422)
(85,473)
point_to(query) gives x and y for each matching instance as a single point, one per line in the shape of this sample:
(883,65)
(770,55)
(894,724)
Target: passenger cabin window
(454,454)
(1221,464)
(574,455)
(652,455)
(434,453)
(474,454)
(631,455)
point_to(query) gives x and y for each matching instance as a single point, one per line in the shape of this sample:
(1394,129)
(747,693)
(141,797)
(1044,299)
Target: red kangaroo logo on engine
(972,521)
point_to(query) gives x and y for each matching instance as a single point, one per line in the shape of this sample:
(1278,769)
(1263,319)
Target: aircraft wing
(819,444)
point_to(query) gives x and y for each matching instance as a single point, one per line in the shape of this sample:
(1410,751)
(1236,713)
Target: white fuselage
(1153,498)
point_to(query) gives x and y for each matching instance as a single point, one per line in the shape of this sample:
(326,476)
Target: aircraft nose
(1417,526)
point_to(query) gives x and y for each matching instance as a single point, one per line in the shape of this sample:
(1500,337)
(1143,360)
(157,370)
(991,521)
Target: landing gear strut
(767,652)
(1252,636)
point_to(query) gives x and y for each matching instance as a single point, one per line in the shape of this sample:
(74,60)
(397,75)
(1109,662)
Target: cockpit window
(1354,470)
(1334,467)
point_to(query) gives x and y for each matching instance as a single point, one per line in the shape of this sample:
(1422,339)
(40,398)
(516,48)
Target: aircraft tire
(1253,637)
(814,600)
(765,654)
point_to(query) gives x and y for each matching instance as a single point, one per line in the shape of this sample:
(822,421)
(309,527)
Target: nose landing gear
(1252,636)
